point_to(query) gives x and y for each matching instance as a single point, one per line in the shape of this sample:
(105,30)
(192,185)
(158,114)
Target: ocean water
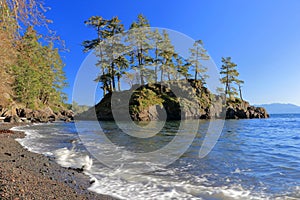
(252,159)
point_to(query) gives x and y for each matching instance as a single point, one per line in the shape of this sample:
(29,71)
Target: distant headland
(281,108)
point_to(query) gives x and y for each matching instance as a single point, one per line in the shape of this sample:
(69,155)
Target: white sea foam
(164,183)
(155,186)
(71,158)
(121,184)
(28,141)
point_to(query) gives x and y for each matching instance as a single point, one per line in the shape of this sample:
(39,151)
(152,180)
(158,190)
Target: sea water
(253,159)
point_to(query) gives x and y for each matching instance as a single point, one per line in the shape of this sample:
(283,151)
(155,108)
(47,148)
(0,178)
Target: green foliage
(230,77)
(31,68)
(8,31)
(150,55)
(198,54)
(111,61)
(39,75)
(77,109)
(143,99)
(140,41)
(166,55)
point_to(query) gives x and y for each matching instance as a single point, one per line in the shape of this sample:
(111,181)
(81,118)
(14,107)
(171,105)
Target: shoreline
(28,175)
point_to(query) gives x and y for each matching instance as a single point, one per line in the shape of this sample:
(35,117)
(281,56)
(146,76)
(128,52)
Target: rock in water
(156,102)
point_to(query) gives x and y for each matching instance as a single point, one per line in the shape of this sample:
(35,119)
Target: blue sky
(261,36)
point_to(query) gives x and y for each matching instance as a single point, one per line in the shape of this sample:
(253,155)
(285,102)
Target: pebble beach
(27,175)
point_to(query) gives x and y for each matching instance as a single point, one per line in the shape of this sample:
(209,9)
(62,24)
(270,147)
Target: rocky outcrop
(20,114)
(153,102)
(237,109)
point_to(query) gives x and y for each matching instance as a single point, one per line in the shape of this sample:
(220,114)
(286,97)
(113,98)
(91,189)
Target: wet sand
(27,175)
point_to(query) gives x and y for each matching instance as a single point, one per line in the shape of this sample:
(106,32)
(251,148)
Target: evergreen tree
(8,34)
(26,69)
(140,40)
(230,77)
(198,54)
(115,50)
(240,84)
(107,51)
(122,64)
(39,76)
(99,24)
(183,68)
(167,54)
(157,40)
(56,76)
(31,73)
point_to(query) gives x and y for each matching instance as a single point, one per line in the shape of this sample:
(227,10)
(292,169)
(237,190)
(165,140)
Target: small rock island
(152,102)
(158,69)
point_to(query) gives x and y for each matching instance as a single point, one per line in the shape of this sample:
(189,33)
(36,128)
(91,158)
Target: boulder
(230,113)
(241,114)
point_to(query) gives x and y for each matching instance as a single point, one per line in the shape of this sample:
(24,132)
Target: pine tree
(108,48)
(157,40)
(99,24)
(31,72)
(140,40)
(183,68)
(39,76)
(122,64)
(56,76)
(240,84)
(8,35)
(167,53)
(198,54)
(230,77)
(115,48)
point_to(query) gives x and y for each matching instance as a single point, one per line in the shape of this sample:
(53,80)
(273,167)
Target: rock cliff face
(17,113)
(237,109)
(153,102)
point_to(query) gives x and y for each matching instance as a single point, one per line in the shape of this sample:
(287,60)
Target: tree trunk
(169,76)
(156,58)
(104,91)
(119,84)
(113,83)
(227,89)
(140,58)
(240,89)
(161,78)
(162,75)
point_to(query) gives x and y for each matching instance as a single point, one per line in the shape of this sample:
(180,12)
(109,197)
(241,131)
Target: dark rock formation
(17,114)
(154,102)
(237,109)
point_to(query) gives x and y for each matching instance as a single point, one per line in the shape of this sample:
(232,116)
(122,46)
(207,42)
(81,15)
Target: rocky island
(151,102)
(155,69)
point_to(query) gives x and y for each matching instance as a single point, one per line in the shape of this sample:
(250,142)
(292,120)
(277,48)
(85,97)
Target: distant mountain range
(280,108)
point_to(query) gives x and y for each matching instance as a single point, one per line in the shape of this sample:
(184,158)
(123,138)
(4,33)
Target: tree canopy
(145,54)
(31,67)
(231,78)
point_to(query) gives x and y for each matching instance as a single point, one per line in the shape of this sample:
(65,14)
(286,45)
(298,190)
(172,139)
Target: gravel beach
(27,175)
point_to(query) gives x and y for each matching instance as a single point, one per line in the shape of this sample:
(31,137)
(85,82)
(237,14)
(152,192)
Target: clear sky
(261,36)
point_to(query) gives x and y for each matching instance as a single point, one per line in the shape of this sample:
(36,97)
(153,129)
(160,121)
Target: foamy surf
(72,159)
(28,142)
(148,187)
(119,182)
(232,171)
